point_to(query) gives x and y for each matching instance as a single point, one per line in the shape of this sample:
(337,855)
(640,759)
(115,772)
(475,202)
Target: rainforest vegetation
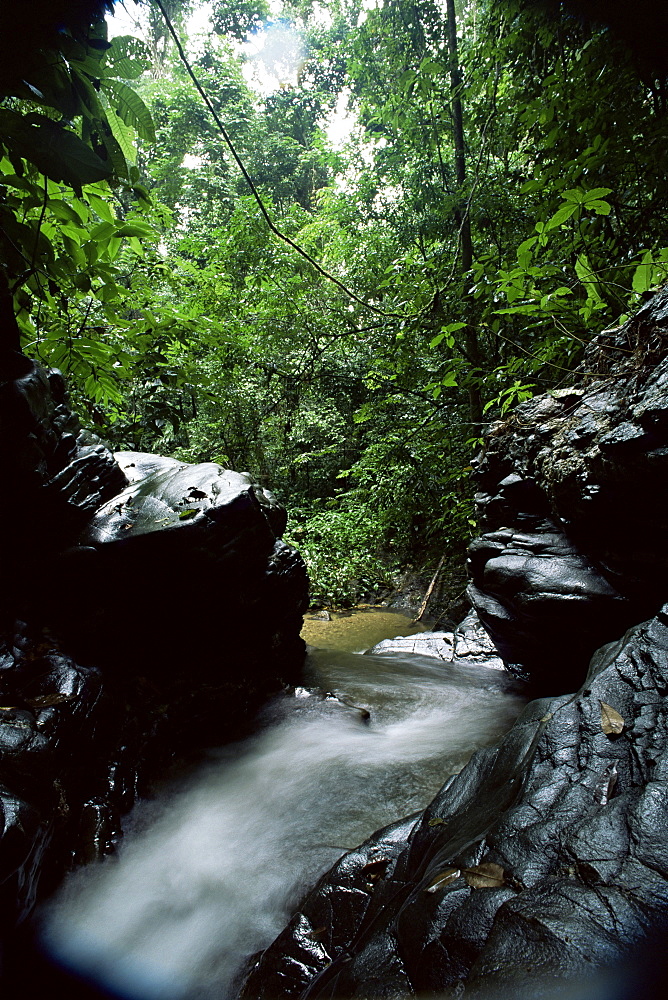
(393,221)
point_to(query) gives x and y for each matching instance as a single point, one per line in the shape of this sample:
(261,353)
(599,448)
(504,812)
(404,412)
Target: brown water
(355,631)
(211,873)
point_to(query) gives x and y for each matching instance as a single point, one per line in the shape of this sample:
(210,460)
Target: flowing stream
(207,875)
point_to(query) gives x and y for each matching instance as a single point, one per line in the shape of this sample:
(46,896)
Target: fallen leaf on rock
(188,513)
(485,876)
(443,878)
(436,821)
(611,720)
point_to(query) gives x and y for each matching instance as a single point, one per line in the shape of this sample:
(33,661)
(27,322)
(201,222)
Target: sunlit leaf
(129,106)
(612,722)
(443,878)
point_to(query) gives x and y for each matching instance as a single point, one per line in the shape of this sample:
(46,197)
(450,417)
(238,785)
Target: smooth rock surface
(469,643)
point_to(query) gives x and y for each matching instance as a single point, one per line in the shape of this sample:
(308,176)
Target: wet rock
(53,471)
(473,644)
(148,616)
(571,817)
(328,919)
(168,556)
(469,643)
(439,645)
(571,505)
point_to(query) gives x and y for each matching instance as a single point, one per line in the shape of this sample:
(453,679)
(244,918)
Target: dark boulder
(143,617)
(572,509)
(157,570)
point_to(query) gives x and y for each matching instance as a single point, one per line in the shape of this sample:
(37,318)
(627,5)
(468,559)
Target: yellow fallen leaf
(436,821)
(485,876)
(443,878)
(611,720)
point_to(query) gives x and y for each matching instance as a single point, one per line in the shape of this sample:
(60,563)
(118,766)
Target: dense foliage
(499,198)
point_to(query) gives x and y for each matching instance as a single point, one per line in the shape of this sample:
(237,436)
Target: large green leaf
(130,108)
(55,150)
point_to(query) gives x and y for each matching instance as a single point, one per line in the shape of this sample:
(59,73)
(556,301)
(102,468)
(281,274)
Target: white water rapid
(208,874)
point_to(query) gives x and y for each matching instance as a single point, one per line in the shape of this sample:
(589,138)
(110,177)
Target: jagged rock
(573,511)
(469,643)
(574,819)
(53,471)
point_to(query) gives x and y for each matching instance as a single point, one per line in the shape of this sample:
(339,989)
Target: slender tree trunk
(462,213)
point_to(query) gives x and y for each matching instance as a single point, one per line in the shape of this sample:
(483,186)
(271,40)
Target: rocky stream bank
(148,608)
(546,858)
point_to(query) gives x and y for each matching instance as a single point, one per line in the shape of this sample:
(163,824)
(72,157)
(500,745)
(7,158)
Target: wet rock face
(151,607)
(180,548)
(572,506)
(547,856)
(52,470)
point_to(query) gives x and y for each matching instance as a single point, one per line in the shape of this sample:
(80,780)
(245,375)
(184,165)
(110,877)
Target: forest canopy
(388,223)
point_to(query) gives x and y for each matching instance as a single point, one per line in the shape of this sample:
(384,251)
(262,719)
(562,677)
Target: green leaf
(642,276)
(55,151)
(127,69)
(139,229)
(129,106)
(560,216)
(595,194)
(101,207)
(102,231)
(64,212)
(123,134)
